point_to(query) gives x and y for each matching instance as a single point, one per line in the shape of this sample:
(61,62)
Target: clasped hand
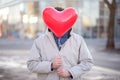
(56,64)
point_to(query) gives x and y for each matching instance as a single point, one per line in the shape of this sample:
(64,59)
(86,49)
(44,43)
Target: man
(64,58)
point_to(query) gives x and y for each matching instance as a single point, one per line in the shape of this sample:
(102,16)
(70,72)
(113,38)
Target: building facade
(117,21)
(23,18)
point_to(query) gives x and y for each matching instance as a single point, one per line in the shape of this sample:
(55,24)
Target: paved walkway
(13,62)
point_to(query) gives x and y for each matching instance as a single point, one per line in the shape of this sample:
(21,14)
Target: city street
(98,21)
(13,57)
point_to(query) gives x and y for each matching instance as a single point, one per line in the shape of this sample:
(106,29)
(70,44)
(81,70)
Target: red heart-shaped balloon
(59,22)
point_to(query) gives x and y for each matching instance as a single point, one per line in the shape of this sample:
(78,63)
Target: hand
(57,62)
(63,73)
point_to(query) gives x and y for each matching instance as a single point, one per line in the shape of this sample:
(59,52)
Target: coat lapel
(51,38)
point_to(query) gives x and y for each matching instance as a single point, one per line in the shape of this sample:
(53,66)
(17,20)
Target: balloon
(59,22)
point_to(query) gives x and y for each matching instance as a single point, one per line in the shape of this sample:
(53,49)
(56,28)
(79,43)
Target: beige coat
(76,57)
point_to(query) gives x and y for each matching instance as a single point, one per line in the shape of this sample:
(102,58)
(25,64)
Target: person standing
(64,58)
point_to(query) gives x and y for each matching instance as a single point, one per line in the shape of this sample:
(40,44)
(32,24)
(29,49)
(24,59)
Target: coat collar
(52,40)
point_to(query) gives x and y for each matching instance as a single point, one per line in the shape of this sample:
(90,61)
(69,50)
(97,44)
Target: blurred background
(98,22)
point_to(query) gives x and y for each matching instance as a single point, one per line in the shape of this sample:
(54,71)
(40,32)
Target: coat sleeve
(35,63)
(85,62)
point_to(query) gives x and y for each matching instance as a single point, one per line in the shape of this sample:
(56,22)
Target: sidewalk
(13,61)
(107,63)
(99,73)
(102,57)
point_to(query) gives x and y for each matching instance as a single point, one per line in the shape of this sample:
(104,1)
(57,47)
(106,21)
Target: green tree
(111,24)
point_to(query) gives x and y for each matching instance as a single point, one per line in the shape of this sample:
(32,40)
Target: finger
(61,75)
(59,72)
(58,62)
(59,58)
(59,69)
(59,65)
